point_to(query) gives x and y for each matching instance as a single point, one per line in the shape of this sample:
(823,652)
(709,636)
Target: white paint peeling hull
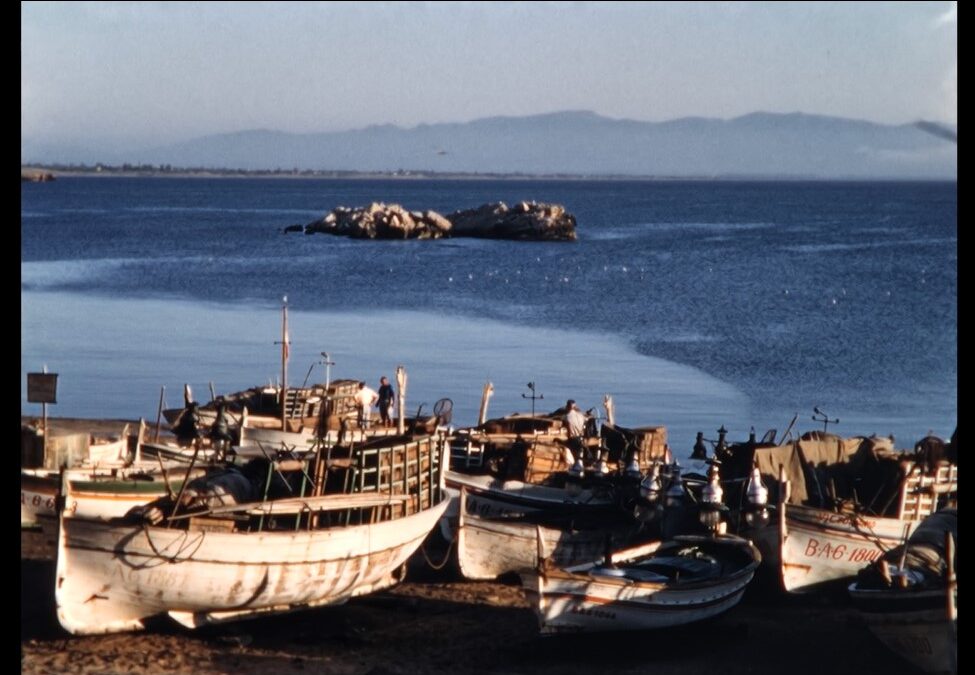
(823,546)
(112,577)
(489,497)
(486,549)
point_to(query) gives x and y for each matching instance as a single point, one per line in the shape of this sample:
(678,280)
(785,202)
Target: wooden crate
(542,460)
(652,444)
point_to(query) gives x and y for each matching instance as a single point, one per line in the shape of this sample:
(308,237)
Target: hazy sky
(158,72)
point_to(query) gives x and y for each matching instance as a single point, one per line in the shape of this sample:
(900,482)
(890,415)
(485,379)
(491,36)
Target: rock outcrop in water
(525,221)
(381,221)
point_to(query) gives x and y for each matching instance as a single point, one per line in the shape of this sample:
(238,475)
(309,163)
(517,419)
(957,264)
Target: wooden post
(904,538)
(485,395)
(401,383)
(162,399)
(783,497)
(44,426)
(952,580)
(139,440)
(610,411)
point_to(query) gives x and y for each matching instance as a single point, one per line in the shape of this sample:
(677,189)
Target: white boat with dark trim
(840,503)
(319,532)
(519,464)
(654,585)
(110,479)
(490,547)
(96,493)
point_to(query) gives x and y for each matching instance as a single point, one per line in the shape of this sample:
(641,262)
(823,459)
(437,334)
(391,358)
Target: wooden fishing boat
(96,493)
(840,503)
(110,479)
(654,585)
(909,598)
(490,547)
(325,529)
(518,464)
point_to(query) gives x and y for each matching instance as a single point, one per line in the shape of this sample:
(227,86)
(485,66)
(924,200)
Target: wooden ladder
(920,493)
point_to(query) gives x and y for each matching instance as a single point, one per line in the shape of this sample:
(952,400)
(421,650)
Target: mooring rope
(174,558)
(446,558)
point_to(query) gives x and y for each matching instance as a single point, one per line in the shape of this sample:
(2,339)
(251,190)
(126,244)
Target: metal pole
(44,425)
(328,363)
(284,363)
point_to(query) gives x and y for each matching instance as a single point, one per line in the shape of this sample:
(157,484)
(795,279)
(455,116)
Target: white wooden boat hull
(111,577)
(489,497)
(38,489)
(821,546)
(305,440)
(567,601)
(94,494)
(912,624)
(488,548)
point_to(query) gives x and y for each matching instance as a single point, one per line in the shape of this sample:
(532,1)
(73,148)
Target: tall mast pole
(284,363)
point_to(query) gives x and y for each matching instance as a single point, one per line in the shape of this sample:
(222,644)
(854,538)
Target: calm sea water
(694,304)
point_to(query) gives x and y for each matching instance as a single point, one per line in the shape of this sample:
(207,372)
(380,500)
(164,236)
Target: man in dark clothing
(386,398)
(220,431)
(187,426)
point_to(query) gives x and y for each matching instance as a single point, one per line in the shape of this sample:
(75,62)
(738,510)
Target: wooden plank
(301,504)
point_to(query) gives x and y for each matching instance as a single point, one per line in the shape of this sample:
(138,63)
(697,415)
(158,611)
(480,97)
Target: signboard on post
(42,387)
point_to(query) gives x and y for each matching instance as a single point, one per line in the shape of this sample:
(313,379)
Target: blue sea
(693,304)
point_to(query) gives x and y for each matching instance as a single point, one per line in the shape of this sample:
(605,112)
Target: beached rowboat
(655,585)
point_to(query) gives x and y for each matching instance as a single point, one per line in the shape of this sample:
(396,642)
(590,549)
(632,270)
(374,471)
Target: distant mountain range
(576,142)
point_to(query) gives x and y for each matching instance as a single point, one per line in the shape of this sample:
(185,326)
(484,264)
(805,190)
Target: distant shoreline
(103,171)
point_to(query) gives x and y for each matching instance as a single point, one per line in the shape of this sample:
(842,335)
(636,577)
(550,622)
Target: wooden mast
(284,364)
(401,383)
(485,395)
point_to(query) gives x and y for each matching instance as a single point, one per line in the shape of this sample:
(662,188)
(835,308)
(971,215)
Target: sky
(125,74)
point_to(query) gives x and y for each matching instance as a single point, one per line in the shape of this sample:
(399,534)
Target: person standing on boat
(575,423)
(220,431)
(386,398)
(365,398)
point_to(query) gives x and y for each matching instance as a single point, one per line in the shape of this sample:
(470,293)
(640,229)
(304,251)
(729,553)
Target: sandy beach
(437,623)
